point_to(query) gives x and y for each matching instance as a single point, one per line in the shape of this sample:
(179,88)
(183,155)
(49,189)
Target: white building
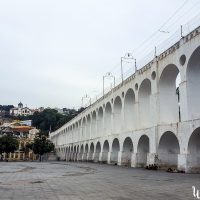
(141,121)
(20,110)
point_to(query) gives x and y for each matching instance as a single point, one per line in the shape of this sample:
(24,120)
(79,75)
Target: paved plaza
(88,181)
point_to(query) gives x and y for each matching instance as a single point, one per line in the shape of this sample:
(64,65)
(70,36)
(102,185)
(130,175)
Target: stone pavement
(88,181)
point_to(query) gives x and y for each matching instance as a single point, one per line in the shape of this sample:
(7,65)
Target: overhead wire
(154,34)
(146,45)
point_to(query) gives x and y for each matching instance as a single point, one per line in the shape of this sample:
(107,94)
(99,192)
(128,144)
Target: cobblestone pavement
(78,181)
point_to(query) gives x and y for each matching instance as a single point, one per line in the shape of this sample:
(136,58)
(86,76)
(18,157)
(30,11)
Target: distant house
(21,111)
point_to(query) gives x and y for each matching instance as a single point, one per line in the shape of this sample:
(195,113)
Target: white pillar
(152,158)
(182,162)
(109,154)
(119,162)
(134,160)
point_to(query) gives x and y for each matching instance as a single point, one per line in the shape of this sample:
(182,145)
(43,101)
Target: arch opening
(169,94)
(75,154)
(127,151)
(97,152)
(81,152)
(88,127)
(144,103)
(142,151)
(115,151)
(193,84)
(83,128)
(100,122)
(168,150)
(117,116)
(91,152)
(107,121)
(105,151)
(85,152)
(193,158)
(93,125)
(130,110)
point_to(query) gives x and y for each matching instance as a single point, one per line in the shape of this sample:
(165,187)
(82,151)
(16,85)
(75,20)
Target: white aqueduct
(145,119)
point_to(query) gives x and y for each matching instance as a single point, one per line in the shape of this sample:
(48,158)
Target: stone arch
(73,128)
(142,151)
(105,151)
(100,121)
(71,153)
(78,153)
(93,125)
(193,84)
(81,152)
(115,151)
(75,153)
(117,114)
(84,126)
(78,149)
(169,107)
(97,152)
(127,151)
(88,127)
(107,118)
(90,156)
(193,158)
(86,152)
(76,132)
(67,153)
(168,150)
(130,110)
(144,103)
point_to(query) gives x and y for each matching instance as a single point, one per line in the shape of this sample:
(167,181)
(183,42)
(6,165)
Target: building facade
(146,119)
(20,111)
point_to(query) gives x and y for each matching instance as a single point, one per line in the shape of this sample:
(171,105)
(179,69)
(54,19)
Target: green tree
(41,145)
(48,120)
(8,144)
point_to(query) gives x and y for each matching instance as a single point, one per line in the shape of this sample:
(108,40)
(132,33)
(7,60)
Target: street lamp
(108,75)
(127,56)
(85,97)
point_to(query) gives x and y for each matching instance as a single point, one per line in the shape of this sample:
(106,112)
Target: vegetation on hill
(47,120)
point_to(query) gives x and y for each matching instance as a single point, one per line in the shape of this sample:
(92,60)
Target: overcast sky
(53,52)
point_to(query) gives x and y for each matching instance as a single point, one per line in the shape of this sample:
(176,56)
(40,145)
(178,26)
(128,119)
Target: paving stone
(88,181)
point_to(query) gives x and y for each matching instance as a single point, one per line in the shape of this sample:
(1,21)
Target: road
(88,181)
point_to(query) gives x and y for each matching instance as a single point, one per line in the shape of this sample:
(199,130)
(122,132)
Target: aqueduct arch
(93,125)
(169,108)
(107,119)
(85,152)
(142,151)
(127,152)
(168,150)
(88,125)
(193,84)
(75,154)
(115,150)
(91,152)
(100,121)
(130,110)
(105,151)
(144,103)
(81,152)
(97,152)
(117,114)
(84,128)
(193,159)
